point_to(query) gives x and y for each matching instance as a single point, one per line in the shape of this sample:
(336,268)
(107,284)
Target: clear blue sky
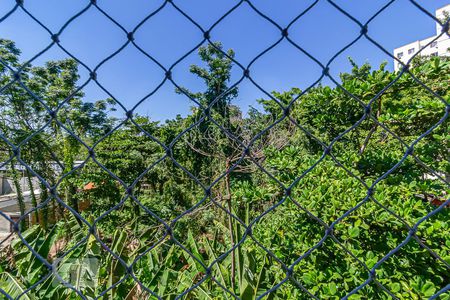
(168,35)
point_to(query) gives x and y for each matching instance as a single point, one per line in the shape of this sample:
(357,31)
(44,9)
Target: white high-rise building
(439,47)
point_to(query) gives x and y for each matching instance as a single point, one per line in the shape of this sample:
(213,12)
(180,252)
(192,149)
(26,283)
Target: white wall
(7,185)
(405,53)
(441,14)
(441,47)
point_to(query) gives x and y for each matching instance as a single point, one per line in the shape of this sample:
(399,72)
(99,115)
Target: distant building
(440,47)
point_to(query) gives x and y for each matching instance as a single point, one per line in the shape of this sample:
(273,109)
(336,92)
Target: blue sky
(129,76)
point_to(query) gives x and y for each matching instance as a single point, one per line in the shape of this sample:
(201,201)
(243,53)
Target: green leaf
(194,249)
(332,288)
(353,232)
(308,278)
(395,287)
(354,297)
(13,287)
(428,289)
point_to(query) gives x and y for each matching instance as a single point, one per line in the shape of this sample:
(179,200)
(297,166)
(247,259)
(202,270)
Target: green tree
(46,102)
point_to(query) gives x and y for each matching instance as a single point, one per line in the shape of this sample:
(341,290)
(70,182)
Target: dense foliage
(324,154)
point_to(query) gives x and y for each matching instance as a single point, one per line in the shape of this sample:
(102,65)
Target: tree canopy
(253,201)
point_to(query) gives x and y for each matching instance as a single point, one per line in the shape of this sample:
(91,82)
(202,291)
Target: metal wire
(245,154)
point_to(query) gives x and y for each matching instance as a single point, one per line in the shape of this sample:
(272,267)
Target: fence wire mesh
(246,153)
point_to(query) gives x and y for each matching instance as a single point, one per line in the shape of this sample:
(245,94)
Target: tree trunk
(43,197)
(70,149)
(20,199)
(230,225)
(372,130)
(70,189)
(33,197)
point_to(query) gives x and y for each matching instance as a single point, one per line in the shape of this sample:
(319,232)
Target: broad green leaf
(428,289)
(353,232)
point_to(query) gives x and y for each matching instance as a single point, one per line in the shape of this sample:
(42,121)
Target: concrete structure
(7,185)
(8,206)
(8,197)
(8,193)
(439,47)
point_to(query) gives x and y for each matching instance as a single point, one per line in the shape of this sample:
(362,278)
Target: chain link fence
(244,154)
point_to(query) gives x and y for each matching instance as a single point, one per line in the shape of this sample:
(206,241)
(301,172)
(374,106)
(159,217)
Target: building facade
(427,47)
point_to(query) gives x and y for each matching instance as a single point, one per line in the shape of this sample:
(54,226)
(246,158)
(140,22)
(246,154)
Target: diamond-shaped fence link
(245,149)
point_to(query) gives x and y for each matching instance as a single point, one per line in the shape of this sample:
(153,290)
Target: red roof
(89,186)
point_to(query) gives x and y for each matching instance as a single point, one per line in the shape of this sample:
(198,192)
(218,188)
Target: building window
(400,54)
(411,51)
(434,54)
(433,44)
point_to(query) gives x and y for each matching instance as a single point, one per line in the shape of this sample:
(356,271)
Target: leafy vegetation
(162,222)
